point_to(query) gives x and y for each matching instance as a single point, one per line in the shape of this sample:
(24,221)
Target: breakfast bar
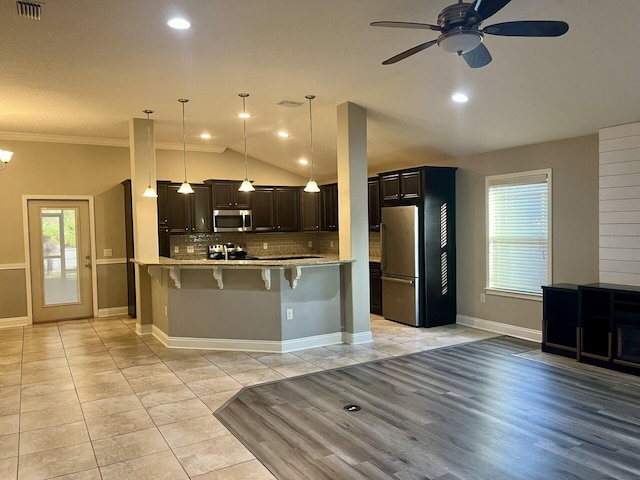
(270,305)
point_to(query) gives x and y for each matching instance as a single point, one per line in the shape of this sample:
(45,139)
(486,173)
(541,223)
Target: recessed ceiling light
(179,23)
(303,161)
(282,134)
(244,115)
(205,136)
(459,97)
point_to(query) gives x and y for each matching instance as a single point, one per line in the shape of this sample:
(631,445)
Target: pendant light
(245,186)
(185,187)
(150,192)
(312,186)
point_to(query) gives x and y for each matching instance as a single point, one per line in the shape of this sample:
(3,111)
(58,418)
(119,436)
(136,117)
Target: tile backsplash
(278,244)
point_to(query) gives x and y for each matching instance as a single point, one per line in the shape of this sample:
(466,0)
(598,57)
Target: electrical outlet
(331,243)
(483,298)
(108,252)
(310,244)
(265,246)
(289,313)
(190,249)
(166,311)
(176,249)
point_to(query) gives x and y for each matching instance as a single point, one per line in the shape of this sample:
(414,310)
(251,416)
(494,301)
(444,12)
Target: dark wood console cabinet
(608,320)
(560,330)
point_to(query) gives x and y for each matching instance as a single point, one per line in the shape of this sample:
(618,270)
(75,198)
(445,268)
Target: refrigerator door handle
(382,246)
(398,280)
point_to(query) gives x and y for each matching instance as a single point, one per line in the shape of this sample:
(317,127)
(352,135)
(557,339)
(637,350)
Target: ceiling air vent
(289,103)
(32,10)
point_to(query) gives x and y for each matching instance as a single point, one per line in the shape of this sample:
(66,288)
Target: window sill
(536,297)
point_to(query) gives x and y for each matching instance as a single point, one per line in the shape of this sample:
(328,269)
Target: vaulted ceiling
(89,66)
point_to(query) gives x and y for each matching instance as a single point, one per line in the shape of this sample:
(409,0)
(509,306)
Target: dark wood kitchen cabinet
(164,248)
(276,209)
(375,288)
(329,207)
(374,204)
(227,197)
(402,187)
(189,213)
(309,211)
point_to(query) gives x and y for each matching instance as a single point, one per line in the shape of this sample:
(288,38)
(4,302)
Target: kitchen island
(270,305)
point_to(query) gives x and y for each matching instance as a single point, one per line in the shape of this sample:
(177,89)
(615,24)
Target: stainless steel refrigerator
(400,237)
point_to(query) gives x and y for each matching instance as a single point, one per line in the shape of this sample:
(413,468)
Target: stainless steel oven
(232,221)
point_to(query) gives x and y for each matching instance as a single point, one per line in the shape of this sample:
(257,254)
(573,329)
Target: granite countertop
(264,262)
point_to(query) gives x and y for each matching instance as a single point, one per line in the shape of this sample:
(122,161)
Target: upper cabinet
(309,211)
(227,197)
(329,207)
(276,209)
(404,187)
(374,204)
(188,213)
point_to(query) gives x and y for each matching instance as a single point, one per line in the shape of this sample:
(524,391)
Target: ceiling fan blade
(531,28)
(486,8)
(478,57)
(421,26)
(408,53)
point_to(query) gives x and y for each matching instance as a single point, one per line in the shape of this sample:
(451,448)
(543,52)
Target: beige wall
(574,164)
(39,168)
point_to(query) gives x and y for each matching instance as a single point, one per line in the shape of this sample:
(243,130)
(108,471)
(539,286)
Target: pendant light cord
(184,139)
(148,112)
(244,132)
(311,97)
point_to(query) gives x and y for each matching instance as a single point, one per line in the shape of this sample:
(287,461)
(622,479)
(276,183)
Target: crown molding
(103,142)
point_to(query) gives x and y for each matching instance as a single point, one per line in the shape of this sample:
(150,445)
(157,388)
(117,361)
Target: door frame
(27,256)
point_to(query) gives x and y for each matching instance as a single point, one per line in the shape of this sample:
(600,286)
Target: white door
(60,254)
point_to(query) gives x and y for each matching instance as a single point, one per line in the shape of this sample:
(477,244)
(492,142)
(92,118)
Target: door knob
(88,265)
(87,257)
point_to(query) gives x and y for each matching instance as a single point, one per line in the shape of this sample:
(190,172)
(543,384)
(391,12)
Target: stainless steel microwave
(232,221)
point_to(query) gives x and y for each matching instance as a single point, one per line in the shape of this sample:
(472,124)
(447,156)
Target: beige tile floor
(90,399)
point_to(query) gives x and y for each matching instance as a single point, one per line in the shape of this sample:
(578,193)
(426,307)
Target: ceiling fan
(460,32)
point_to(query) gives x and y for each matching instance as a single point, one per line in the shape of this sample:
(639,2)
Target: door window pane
(60,255)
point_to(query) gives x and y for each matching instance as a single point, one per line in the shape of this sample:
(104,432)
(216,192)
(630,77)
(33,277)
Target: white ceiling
(89,66)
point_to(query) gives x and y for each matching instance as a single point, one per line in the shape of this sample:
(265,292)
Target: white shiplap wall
(620,204)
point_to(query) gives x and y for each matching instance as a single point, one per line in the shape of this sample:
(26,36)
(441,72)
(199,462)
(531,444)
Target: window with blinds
(519,232)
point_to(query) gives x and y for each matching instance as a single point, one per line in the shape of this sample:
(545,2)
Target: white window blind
(519,232)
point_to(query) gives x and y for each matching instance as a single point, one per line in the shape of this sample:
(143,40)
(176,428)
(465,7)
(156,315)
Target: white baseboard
(14,322)
(357,338)
(113,311)
(159,335)
(269,346)
(502,328)
(144,329)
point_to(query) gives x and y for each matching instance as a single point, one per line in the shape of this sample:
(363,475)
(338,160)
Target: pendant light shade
(150,192)
(312,186)
(245,186)
(185,187)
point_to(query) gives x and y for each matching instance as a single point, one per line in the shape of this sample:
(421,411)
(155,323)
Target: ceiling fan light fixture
(460,41)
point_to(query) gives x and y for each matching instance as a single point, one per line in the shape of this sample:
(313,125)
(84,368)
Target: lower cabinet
(375,288)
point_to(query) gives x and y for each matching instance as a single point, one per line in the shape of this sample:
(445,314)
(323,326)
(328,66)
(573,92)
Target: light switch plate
(108,252)
(310,243)
(190,249)
(289,313)
(265,246)
(176,249)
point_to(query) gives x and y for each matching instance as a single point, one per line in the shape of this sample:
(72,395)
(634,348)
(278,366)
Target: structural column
(354,220)
(145,213)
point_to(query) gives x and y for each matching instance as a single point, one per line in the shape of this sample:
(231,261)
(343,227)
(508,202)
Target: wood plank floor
(473,411)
